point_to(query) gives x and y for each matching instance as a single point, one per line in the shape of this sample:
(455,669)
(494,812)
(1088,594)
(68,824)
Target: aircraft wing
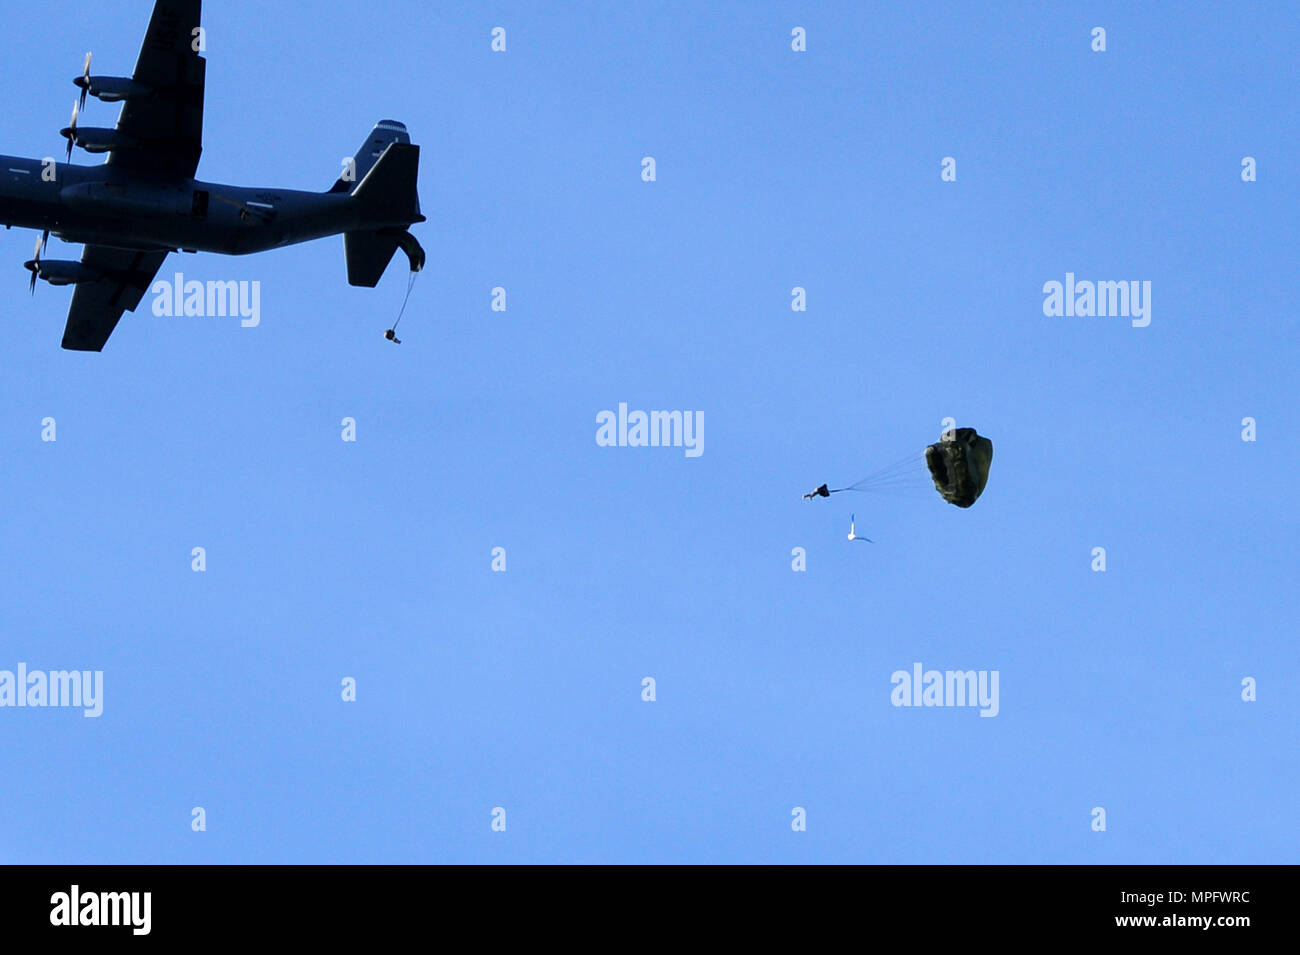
(167,127)
(97,306)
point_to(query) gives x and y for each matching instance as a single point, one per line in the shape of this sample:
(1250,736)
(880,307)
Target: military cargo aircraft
(144,201)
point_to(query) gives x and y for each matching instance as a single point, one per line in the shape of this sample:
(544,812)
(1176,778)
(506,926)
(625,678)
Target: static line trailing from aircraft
(144,202)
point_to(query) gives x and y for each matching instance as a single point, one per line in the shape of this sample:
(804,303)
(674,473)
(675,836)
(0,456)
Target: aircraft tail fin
(389,202)
(387,192)
(386,132)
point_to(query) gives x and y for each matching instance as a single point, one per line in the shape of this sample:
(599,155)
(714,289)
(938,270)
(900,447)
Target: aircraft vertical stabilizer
(388,198)
(385,133)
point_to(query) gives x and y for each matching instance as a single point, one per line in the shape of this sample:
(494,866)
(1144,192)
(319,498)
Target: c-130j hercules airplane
(145,202)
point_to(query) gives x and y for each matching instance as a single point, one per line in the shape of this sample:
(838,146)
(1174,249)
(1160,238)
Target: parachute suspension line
(902,463)
(896,486)
(901,469)
(916,489)
(900,474)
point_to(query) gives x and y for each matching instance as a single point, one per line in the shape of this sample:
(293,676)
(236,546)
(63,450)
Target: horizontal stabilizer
(368,255)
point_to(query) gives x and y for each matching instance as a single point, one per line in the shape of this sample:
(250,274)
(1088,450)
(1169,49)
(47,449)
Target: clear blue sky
(523,689)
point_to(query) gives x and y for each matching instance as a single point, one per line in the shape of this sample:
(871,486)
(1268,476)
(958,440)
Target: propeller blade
(34,266)
(72,129)
(84,80)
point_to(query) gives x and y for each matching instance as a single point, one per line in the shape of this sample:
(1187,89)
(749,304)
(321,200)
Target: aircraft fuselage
(98,205)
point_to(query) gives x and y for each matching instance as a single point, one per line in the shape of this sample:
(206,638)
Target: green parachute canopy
(959,465)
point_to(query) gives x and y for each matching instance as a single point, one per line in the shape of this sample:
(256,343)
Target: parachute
(959,465)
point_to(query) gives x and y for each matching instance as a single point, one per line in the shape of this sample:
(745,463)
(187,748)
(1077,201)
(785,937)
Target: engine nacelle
(96,139)
(113,89)
(62,272)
